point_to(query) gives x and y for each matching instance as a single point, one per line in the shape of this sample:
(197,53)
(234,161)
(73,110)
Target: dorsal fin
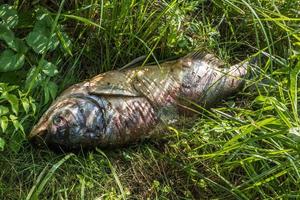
(196,55)
(134,62)
(113,83)
(205,56)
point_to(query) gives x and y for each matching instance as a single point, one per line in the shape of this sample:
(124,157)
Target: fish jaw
(38,134)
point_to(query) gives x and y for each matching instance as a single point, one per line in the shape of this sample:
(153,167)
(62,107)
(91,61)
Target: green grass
(246,148)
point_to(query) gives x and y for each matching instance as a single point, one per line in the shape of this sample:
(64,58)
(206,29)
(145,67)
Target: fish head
(72,122)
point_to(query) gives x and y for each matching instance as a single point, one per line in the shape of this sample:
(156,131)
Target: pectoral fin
(113,83)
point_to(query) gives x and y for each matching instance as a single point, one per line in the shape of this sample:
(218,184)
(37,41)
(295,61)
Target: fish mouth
(38,136)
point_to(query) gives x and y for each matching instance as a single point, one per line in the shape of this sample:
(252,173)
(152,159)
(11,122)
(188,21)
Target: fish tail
(244,68)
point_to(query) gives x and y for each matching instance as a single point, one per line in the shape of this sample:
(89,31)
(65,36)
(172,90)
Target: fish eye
(58,120)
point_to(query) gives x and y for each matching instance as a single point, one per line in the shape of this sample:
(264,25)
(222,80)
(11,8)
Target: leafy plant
(29,53)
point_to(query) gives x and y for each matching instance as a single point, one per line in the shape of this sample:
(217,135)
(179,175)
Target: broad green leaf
(48,68)
(8,15)
(13,100)
(10,61)
(52,89)
(16,123)
(8,36)
(38,42)
(3,110)
(4,123)
(34,77)
(20,46)
(25,104)
(43,14)
(40,39)
(14,43)
(2,144)
(11,88)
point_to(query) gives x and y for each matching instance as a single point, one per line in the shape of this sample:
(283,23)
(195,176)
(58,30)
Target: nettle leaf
(11,61)
(8,15)
(2,144)
(48,68)
(40,39)
(3,110)
(4,123)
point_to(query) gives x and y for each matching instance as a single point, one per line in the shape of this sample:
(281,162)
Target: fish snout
(38,136)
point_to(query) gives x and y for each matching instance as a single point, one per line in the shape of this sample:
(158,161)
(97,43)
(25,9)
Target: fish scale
(124,106)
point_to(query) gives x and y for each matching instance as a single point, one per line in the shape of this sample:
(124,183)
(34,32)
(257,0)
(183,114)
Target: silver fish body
(119,107)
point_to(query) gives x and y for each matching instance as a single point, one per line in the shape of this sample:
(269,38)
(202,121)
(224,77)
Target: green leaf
(20,46)
(48,68)
(4,123)
(294,89)
(10,61)
(16,123)
(33,106)
(52,89)
(8,15)
(13,100)
(65,42)
(37,41)
(2,144)
(10,88)
(3,110)
(25,104)
(40,39)
(34,77)
(46,94)
(7,35)
(84,20)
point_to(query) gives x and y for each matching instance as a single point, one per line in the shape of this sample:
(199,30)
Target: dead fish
(123,106)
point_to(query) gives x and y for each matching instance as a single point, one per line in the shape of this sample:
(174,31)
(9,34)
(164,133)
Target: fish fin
(205,56)
(196,55)
(114,83)
(133,62)
(113,91)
